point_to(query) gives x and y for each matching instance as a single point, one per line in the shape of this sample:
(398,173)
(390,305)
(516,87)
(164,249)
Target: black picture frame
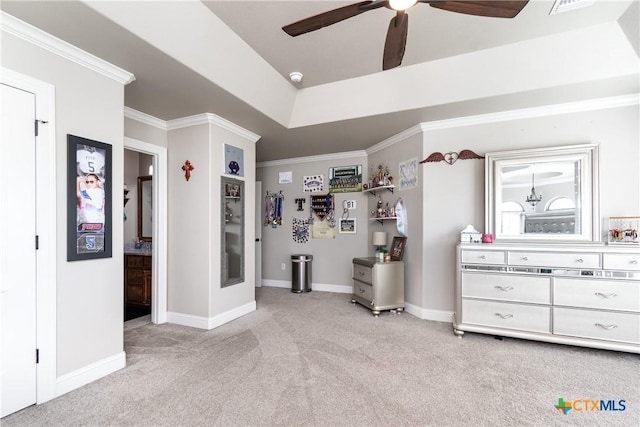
(397,248)
(89,198)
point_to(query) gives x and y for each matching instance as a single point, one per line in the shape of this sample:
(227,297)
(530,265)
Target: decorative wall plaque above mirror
(543,195)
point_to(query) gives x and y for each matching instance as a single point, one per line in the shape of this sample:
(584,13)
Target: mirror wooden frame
(587,203)
(141,213)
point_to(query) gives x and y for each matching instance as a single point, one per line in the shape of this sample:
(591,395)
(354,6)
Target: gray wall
(89,293)
(332,257)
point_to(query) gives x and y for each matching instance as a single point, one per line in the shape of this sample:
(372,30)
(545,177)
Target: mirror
(232,235)
(544,195)
(145,208)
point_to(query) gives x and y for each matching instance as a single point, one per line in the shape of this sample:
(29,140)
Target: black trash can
(301,273)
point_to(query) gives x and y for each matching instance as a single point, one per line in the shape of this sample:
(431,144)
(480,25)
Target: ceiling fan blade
(331,17)
(496,9)
(396,41)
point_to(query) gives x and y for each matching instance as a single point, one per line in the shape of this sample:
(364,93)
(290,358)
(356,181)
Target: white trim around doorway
(46,228)
(160,231)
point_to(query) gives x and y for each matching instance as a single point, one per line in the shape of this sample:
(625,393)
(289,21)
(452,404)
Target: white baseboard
(210,322)
(426,314)
(320,287)
(90,373)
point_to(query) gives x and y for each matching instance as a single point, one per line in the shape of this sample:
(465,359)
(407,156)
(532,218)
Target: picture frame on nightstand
(397,248)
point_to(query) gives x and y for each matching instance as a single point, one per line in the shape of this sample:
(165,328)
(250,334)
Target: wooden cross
(187,168)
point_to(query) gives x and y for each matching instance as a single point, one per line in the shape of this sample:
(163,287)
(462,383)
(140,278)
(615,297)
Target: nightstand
(378,285)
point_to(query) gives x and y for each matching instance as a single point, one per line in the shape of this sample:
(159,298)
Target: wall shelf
(383,218)
(374,189)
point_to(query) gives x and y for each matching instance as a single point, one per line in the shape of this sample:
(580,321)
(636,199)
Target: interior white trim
(320,287)
(209,323)
(209,118)
(46,284)
(309,159)
(399,137)
(90,373)
(426,314)
(37,37)
(141,117)
(160,226)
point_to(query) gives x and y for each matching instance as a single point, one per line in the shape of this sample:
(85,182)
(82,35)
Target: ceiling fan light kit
(396,39)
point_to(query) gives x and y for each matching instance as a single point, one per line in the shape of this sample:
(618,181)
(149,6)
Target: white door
(17,250)
(259,219)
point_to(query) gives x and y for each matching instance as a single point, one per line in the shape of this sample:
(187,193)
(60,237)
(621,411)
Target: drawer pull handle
(504,288)
(362,291)
(504,316)
(606,327)
(579,260)
(525,258)
(611,295)
(634,261)
(361,273)
(483,257)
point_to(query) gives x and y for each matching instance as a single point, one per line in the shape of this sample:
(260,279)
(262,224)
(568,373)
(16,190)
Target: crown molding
(310,159)
(392,140)
(37,37)
(209,118)
(144,118)
(528,113)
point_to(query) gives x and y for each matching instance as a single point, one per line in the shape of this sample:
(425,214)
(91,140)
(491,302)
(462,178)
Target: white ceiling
(231,58)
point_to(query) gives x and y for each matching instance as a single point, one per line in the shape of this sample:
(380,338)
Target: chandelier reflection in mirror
(533,198)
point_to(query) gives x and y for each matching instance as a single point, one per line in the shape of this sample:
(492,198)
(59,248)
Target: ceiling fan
(397,33)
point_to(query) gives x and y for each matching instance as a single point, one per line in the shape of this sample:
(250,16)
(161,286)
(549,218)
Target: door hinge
(37,123)
(37,355)
(37,242)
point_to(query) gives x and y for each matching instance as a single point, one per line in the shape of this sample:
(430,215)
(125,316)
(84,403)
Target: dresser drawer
(602,325)
(135,261)
(554,259)
(593,293)
(507,287)
(621,262)
(483,257)
(362,273)
(363,290)
(506,315)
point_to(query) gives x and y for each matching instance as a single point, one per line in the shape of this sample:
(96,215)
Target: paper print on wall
(345,179)
(323,230)
(88,199)
(408,172)
(300,232)
(233,160)
(313,184)
(285,177)
(348,226)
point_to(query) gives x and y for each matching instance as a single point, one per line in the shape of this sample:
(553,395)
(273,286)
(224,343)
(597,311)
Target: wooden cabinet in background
(137,279)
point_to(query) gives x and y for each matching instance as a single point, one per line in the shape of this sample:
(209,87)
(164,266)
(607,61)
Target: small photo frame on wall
(89,189)
(233,160)
(347,226)
(397,248)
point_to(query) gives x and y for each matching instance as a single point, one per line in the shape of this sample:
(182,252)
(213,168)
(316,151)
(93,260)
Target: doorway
(158,267)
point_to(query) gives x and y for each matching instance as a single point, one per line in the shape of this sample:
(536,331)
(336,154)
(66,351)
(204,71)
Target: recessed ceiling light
(296,77)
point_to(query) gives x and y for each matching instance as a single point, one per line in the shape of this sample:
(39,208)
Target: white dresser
(586,295)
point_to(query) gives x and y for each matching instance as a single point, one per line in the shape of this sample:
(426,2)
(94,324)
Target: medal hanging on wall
(273,209)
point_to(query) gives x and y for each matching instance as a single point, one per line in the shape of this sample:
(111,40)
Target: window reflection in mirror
(232,231)
(145,208)
(543,194)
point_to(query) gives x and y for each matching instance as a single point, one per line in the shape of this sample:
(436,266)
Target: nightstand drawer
(363,290)
(602,325)
(483,257)
(554,259)
(592,293)
(507,287)
(362,273)
(629,262)
(506,315)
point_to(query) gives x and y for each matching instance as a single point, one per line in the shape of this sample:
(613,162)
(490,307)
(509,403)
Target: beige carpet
(316,360)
